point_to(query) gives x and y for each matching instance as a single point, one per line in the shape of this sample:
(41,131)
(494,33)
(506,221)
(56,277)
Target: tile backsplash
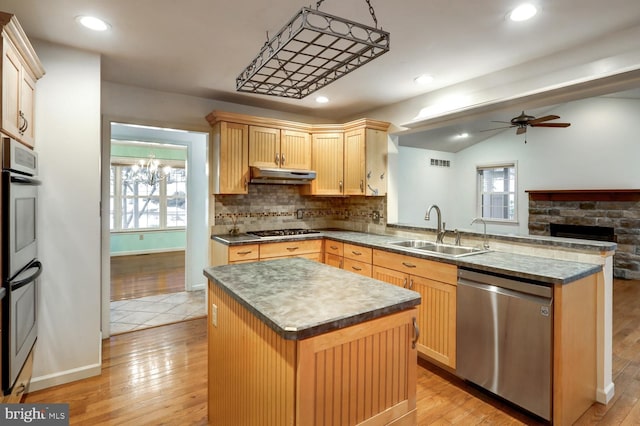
(282,206)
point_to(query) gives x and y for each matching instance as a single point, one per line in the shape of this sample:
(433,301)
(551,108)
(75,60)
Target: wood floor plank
(158,376)
(144,275)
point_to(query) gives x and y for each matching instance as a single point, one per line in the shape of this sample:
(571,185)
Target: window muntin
(136,205)
(497,190)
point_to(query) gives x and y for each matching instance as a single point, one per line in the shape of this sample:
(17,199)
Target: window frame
(117,198)
(480,193)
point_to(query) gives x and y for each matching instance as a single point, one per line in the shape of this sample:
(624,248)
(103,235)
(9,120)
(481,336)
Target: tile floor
(151,311)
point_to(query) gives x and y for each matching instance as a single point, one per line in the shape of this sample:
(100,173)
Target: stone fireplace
(604,215)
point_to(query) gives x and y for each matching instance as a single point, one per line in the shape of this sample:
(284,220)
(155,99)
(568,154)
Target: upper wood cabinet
(230,158)
(287,149)
(349,159)
(21,68)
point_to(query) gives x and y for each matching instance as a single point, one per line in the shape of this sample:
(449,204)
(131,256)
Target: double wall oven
(20,265)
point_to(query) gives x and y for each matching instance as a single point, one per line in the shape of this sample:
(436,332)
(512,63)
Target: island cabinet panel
(251,368)
(361,375)
(364,374)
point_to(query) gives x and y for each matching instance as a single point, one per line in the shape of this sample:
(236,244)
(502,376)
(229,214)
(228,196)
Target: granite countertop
(300,298)
(544,270)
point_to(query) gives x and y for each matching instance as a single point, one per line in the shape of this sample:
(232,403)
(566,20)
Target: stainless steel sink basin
(430,246)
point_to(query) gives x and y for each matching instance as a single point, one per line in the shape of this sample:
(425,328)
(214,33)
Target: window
(138,205)
(497,192)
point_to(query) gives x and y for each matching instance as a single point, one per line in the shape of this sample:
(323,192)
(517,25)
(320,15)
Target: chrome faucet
(485,245)
(441,229)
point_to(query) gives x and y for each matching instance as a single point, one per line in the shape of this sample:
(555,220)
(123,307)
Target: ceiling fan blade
(496,121)
(545,118)
(521,130)
(496,128)
(551,125)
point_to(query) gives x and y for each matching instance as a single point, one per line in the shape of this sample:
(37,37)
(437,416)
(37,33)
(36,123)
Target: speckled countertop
(300,298)
(545,270)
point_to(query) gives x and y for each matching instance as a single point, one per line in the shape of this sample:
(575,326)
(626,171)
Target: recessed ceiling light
(423,79)
(462,135)
(523,12)
(322,99)
(93,23)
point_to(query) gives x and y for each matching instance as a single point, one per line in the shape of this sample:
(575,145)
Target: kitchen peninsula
(297,342)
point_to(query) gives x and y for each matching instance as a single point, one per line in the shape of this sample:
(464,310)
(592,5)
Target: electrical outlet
(300,213)
(141,237)
(214,315)
(375,216)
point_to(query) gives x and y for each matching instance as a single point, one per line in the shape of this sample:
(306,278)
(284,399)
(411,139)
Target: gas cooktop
(282,232)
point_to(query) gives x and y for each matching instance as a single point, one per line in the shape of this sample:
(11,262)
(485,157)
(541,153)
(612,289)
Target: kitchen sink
(431,247)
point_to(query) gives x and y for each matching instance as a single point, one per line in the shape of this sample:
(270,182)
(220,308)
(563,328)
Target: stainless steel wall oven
(20,265)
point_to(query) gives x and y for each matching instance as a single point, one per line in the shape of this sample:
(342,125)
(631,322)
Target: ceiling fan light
(523,12)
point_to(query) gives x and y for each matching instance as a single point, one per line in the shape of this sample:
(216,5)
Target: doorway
(157,227)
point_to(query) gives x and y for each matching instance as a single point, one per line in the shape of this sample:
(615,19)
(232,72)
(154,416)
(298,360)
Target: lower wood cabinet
(364,374)
(222,254)
(437,311)
(350,257)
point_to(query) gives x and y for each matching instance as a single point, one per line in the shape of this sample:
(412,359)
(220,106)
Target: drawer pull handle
(411,284)
(404,284)
(333,247)
(357,268)
(292,248)
(416,332)
(409,265)
(245,252)
(357,253)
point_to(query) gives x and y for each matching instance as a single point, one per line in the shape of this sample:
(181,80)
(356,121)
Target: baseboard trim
(603,396)
(44,382)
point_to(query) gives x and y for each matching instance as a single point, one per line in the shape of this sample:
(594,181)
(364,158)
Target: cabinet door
(264,146)
(11,82)
(231,144)
(436,319)
(354,162)
(295,150)
(327,161)
(333,260)
(390,276)
(27,107)
(376,162)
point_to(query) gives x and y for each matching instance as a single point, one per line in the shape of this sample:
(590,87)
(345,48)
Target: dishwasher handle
(532,288)
(541,300)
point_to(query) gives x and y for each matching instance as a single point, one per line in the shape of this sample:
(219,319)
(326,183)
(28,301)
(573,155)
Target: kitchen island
(296,342)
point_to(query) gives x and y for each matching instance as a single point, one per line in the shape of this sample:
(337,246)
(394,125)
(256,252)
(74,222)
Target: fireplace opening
(585,232)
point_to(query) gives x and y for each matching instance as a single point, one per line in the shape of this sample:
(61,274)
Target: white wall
(600,150)
(68,144)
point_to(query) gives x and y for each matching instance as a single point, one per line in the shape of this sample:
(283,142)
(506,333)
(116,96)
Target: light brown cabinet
(279,148)
(349,159)
(21,68)
(436,283)
(350,257)
(222,254)
(230,158)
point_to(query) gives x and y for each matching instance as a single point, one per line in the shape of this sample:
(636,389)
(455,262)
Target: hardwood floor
(144,275)
(158,376)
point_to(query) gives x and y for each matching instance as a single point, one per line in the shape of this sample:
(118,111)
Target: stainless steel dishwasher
(505,337)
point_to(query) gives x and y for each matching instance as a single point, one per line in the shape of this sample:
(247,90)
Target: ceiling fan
(522,121)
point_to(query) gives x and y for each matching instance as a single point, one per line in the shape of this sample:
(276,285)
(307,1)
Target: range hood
(281,176)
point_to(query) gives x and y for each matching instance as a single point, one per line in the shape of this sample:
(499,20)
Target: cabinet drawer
(415,266)
(243,253)
(290,248)
(333,260)
(359,253)
(357,267)
(334,247)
